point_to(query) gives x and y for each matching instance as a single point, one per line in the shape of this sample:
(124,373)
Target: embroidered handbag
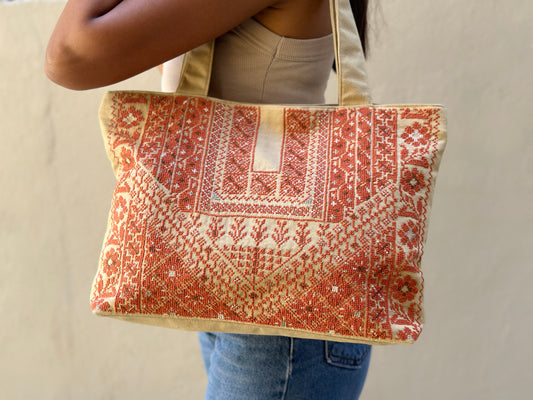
(303,221)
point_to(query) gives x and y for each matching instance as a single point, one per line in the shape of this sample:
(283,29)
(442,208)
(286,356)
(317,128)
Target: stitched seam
(289,368)
(267,70)
(363,355)
(358,361)
(253,43)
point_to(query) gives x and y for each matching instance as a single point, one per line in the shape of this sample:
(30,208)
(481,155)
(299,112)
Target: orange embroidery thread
(331,242)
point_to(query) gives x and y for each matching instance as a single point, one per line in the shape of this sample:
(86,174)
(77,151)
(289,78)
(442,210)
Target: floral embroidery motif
(410,234)
(405,289)
(416,135)
(111,262)
(329,243)
(126,159)
(130,117)
(413,181)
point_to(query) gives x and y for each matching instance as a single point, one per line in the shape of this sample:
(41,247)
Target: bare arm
(100,42)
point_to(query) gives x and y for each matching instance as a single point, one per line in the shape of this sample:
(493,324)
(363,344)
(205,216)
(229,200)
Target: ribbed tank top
(253,64)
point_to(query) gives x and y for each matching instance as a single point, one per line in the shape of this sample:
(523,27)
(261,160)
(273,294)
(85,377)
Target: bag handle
(352,79)
(196,70)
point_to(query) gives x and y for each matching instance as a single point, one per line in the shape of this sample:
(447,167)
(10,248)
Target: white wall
(56,184)
(476,57)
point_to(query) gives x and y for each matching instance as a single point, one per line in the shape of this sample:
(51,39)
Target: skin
(100,42)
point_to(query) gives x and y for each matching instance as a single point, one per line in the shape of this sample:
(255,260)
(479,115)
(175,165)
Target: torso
(244,71)
(256,65)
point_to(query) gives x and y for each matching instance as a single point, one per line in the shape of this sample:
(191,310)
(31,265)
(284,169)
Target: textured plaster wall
(475,57)
(55,186)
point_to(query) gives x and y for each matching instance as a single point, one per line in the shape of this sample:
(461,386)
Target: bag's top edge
(176,94)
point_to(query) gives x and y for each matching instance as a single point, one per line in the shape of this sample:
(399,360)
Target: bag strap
(196,70)
(352,79)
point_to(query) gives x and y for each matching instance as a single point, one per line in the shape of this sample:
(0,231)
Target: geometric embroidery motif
(327,240)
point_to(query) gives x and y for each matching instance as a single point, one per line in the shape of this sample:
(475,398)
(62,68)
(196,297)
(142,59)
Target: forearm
(99,44)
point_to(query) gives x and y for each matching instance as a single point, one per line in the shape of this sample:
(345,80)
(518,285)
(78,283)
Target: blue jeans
(251,367)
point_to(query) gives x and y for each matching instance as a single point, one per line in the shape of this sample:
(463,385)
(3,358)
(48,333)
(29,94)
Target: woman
(267,51)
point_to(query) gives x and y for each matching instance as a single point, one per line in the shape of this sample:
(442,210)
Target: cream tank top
(255,65)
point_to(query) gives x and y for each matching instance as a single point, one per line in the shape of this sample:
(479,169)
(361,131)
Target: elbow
(74,63)
(55,72)
(63,66)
